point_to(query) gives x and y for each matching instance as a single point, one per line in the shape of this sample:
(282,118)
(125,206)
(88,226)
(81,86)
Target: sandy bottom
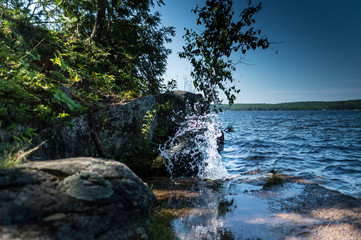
(239,208)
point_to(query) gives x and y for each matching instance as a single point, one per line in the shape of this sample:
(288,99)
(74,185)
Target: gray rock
(72,140)
(117,129)
(75,198)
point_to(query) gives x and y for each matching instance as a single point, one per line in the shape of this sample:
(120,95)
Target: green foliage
(151,115)
(23,87)
(26,137)
(161,228)
(210,50)
(14,104)
(51,70)
(62,97)
(336,105)
(131,35)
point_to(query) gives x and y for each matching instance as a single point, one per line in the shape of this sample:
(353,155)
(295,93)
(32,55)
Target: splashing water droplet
(193,151)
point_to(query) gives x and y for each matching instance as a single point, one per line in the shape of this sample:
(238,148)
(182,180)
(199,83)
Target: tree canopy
(58,58)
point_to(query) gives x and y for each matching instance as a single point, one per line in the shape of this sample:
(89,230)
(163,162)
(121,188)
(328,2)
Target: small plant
(273,179)
(62,97)
(15,153)
(229,128)
(10,155)
(26,137)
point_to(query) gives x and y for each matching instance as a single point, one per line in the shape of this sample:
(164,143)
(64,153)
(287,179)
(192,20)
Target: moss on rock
(88,186)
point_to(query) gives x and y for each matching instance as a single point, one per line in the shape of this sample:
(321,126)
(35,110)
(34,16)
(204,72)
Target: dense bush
(55,64)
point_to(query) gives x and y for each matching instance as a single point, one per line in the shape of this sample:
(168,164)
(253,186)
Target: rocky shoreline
(240,208)
(90,198)
(64,192)
(78,196)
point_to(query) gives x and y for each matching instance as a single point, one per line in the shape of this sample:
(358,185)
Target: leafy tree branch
(210,50)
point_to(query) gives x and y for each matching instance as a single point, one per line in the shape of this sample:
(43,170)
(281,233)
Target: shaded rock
(75,198)
(72,140)
(183,104)
(117,129)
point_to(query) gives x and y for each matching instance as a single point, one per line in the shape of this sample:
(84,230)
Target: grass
(161,228)
(15,154)
(12,155)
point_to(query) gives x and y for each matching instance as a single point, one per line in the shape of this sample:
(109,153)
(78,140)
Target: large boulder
(116,130)
(76,198)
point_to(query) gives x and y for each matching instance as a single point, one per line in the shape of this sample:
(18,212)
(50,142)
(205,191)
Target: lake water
(321,146)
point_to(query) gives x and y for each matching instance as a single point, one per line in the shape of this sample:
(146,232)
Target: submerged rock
(75,198)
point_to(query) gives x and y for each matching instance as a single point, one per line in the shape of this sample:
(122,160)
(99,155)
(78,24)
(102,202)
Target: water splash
(193,151)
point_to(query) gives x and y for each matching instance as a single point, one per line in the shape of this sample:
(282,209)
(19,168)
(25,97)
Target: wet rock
(185,156)
(75,198)
(194,150)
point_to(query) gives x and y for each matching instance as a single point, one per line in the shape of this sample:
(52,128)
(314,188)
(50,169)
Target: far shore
(314,105)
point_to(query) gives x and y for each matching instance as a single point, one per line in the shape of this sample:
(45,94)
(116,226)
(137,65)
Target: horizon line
(306,101)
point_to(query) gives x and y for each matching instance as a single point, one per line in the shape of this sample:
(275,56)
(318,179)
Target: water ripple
(313,144)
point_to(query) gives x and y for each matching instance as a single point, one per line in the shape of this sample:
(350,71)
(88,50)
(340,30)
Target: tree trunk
(99,22)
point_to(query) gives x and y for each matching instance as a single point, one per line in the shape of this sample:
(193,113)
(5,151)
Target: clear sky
(319,51)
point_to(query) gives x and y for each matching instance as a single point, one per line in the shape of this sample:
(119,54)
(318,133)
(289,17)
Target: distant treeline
(337,105)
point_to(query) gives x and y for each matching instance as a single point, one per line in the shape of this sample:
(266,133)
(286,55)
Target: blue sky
(319,51)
